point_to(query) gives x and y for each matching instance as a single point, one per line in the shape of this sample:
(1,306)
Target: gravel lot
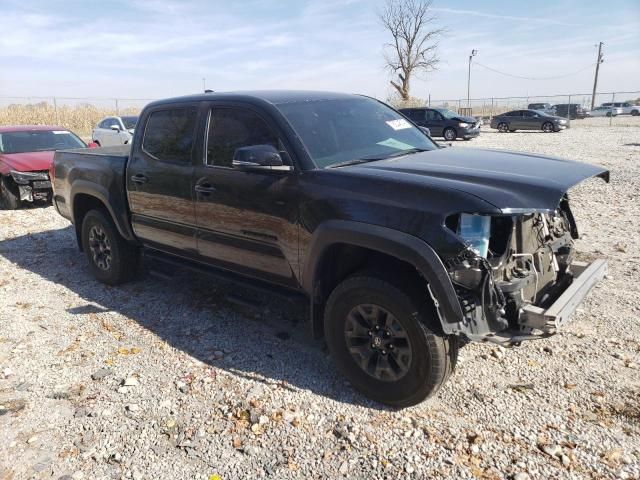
(170,377)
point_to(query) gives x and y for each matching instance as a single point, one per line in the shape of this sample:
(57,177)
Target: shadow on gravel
(197,315)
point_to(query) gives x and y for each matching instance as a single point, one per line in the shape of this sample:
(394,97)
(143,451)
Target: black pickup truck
(405,250)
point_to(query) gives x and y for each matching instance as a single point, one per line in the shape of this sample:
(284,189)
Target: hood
(465,119)
(27,162)
(511,181)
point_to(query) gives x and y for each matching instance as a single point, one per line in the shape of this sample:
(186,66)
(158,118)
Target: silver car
(114,130)
(626,108)
(605,112)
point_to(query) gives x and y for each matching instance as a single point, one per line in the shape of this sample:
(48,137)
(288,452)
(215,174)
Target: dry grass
(79,118)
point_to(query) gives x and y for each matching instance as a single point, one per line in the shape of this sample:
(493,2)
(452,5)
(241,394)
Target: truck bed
(96,171)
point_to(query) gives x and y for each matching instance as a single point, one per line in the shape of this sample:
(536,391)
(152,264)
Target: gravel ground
(170,377)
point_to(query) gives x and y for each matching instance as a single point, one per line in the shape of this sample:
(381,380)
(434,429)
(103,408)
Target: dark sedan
(443,123)
(528,120)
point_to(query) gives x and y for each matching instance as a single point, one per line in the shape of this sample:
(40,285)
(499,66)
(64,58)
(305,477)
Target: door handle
(205,188)
(139,178)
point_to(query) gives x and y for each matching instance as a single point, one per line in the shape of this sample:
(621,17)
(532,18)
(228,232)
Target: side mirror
(426,131)
(115,127)
(262,157)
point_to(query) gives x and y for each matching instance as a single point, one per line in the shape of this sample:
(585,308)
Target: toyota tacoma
(405,250)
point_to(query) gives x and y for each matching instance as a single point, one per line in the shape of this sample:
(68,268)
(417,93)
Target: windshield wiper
(374,158)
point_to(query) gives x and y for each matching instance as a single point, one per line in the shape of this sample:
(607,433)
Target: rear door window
(169,134)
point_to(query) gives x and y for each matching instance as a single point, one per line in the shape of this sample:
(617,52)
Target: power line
(534,78)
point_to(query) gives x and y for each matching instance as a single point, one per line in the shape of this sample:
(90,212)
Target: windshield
(447,113)
(38,141)
(129,122)
(345,130)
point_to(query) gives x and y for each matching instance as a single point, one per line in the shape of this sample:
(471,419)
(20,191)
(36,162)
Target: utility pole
(204,84)
(473,53)
(595,79)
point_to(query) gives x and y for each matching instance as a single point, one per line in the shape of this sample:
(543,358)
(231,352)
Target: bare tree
(414,46)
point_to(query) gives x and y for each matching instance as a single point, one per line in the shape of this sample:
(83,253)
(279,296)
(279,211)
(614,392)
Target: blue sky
(158,48)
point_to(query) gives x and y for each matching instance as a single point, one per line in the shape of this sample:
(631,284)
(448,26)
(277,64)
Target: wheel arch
(340,247)
(86,196)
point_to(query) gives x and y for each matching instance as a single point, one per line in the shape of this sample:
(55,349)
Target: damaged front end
(33,186)
(518,279)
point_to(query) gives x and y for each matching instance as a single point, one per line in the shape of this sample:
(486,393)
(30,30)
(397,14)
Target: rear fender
(116,207)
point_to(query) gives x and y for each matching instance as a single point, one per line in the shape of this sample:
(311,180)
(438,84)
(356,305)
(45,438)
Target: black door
(159,180)
(246,218)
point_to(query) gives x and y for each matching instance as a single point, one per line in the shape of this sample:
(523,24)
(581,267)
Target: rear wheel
(385,341)
(9,195)
(450,134)
(112,260)
(503,127)
(547,127)
(635,113)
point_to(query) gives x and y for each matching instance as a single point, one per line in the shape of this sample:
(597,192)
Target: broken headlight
(23,178)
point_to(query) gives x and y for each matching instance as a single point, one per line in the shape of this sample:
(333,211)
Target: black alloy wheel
(378,342)
(100,247)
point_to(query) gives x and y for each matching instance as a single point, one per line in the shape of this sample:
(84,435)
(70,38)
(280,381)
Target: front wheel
(547,127)
(111,259)
(503,127)
(384,341)
(450,134)
(635,113)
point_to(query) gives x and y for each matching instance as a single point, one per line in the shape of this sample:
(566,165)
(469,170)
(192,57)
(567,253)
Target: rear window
(169,134)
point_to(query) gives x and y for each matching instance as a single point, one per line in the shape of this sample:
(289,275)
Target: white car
(114,130)
(605,112)
(625,107)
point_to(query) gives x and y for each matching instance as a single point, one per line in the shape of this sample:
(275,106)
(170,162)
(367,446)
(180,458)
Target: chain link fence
(82,114)
(488,107)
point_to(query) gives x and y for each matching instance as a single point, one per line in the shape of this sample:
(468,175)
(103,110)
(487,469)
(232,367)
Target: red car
(26,154)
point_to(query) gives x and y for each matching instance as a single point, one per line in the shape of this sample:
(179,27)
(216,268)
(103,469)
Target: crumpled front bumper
(537,323)
(586,276)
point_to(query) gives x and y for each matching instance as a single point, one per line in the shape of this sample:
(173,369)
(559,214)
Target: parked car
(543,107)
(112,131)
(626,108)
(443,123)
(527,120)
(403,249)
(605,112)
(26,154)
(574,109)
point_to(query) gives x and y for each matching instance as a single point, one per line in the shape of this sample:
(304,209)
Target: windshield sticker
(59,132)
(399,124)
(393,143)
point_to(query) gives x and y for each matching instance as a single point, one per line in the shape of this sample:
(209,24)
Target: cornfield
(79,118)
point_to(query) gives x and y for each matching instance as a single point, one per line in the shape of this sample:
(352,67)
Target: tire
(608,114)
(353,305)
(9,197)
(635,113)
(503,127)
(547,127)
(111,259)
(450,134)
(512,130)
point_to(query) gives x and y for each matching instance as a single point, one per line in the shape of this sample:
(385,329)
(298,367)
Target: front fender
(397,244)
